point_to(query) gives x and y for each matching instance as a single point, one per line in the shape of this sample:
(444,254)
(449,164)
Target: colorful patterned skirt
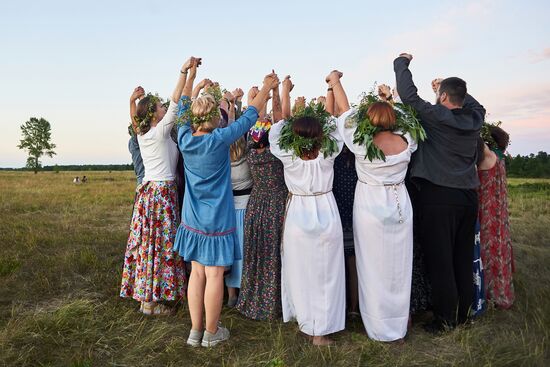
(152,271)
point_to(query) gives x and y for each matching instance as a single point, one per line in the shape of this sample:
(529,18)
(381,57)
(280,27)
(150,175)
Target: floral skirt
(152,270)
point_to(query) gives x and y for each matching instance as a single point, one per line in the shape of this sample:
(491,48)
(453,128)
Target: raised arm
(405,85)
(285,97)
(250,116)
(190,67)
(472,104)
(182,80)
(340,97)
(277,110)
(330,103)
(230,106)
(238,93)
(136,94)
(203,84)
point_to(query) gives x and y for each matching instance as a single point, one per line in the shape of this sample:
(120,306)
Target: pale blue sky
(76,63)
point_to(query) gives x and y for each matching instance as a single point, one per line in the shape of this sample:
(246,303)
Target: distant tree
(37,141)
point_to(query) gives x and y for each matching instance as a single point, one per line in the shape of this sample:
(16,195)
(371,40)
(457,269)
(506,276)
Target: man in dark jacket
(444,171)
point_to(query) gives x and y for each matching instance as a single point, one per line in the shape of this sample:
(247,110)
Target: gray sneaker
(194,339)
(209,339)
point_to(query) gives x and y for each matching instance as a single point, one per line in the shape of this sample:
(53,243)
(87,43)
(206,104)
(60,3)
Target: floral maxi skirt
(152,270)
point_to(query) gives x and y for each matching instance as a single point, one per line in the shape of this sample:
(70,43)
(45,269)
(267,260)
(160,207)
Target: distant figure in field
(84,179)
(76,180)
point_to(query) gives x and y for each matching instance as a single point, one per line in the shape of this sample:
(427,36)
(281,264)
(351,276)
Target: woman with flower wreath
(207,234)
(382,214)
(260,294)
(312,251)
(496,243)
(152,272)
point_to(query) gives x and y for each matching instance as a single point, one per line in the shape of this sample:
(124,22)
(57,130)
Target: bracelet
(330,89)
(183,72)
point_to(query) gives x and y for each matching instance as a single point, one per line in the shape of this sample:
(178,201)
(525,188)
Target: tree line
(529,166)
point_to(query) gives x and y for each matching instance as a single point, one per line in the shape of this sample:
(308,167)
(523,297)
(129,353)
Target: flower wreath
(144,124)
(196,121)
(289,141)
(486,134)
(406,122)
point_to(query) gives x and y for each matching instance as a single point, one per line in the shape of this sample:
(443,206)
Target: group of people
(221,191)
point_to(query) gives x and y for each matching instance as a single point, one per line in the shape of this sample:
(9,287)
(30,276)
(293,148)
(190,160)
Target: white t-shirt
(158,150)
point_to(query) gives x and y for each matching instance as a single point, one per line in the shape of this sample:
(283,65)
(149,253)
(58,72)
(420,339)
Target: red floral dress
(496,244)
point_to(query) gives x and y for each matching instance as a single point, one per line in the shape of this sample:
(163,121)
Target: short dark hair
(455,88)
(501,137)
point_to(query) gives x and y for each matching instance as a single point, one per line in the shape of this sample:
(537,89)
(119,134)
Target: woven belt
(394,187)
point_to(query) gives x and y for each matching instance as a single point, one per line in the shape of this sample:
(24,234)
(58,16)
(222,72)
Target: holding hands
(238,94)
(384,92)
(406,55)
(436,83)
(138,93)
(333,78)
(287,84)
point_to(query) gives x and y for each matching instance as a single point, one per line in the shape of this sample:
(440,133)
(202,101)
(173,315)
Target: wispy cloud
(538,56)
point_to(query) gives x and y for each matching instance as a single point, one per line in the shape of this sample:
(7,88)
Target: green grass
(62,252)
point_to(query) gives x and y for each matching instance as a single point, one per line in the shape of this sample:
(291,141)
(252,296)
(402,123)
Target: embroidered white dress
(383,236)
(312,252)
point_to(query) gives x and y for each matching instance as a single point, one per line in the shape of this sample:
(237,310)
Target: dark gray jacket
(139,169)
(448,156)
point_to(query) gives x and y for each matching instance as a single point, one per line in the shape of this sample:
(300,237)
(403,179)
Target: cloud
(538,56)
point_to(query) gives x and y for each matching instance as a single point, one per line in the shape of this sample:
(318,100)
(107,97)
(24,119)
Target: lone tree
(37,141)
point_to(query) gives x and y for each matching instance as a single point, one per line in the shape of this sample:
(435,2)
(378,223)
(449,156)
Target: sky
(76,63)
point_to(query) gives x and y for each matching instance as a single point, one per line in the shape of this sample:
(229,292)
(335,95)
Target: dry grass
(63,247)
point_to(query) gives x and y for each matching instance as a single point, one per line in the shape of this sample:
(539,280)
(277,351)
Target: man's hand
(406,55)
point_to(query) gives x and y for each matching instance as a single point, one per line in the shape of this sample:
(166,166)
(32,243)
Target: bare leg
(232,292)
(322,340)
(195,295)
(213,296)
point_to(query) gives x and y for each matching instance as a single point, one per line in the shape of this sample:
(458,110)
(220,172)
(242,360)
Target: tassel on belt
(394,187)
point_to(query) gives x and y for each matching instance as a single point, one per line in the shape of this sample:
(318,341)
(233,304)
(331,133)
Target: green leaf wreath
(291,142)
(144,124)
(406,122)
(486,134)
(196,121)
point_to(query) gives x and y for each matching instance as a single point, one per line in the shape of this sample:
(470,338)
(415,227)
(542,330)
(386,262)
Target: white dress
(313,288)
(383,235)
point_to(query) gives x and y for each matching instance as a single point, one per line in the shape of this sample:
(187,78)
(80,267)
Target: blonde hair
(237,149)
(204,108)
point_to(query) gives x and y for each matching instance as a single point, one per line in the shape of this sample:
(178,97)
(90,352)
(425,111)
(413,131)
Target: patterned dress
(345,180)
(496,244)
(260,295)
(152,271)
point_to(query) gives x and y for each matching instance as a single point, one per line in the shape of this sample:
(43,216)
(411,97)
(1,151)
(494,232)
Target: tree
(37,141)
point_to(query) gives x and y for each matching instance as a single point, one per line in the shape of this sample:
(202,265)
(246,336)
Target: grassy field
(62,252)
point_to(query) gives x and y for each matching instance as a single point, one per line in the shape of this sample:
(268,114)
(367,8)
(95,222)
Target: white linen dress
(312,252)
(383,236)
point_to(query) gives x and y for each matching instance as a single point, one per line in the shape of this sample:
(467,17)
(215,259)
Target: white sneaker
(194,339)
(210,340)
